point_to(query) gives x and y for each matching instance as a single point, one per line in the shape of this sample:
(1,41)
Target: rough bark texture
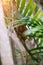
(19,52)
(5,48)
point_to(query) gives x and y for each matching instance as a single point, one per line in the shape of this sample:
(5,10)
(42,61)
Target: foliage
(34,21)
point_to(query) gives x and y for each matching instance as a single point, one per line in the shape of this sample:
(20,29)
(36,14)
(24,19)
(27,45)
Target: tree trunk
(5,48)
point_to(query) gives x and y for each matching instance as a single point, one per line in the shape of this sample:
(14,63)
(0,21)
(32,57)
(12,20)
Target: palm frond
(33,20)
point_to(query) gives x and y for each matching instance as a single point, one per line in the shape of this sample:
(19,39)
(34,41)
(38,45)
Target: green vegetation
(34,21)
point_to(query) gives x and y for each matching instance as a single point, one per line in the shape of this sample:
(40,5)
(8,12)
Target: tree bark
(19,57)
(5,48)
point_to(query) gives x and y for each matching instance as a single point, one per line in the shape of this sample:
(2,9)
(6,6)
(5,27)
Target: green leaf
(33,30)
(36,48)
(27,7)
(37,13)
(37,52)
(32,9)
(22,5)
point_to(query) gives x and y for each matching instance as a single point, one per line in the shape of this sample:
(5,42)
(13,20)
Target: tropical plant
(27,15)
